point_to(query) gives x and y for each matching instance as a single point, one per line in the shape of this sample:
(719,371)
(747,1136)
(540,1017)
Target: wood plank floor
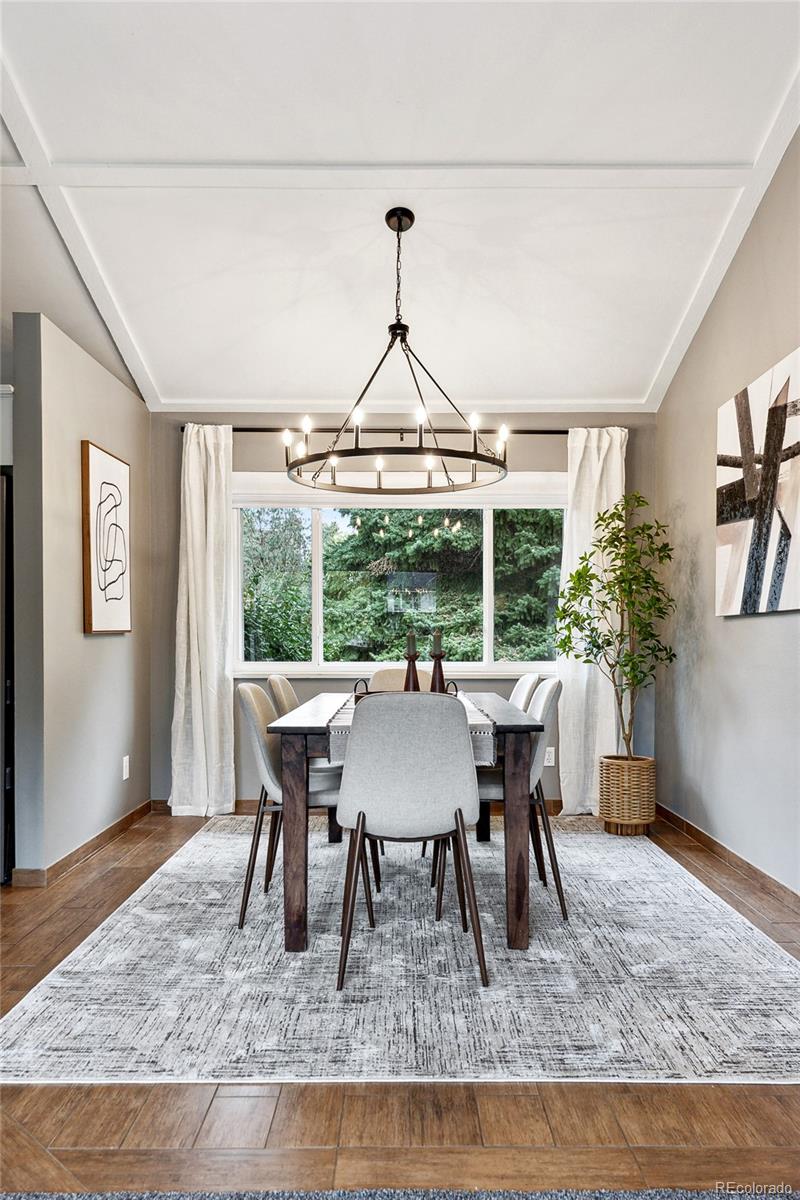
(313,1136)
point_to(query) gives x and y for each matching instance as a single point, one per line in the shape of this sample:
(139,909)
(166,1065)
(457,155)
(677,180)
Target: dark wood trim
(162,807)
(26,877)
(773,886)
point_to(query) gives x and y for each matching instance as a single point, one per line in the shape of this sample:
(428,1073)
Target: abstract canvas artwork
(758,495)
(105,483)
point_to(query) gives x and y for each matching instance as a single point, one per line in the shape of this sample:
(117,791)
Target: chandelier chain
(397,313)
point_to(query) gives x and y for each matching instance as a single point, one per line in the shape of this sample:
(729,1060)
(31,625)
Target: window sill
(365,670)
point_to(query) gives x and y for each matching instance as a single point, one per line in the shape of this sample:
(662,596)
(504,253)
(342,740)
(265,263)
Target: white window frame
(523,489)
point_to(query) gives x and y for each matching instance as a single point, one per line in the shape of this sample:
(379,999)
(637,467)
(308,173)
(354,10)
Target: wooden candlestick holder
(437,678)
(412,679)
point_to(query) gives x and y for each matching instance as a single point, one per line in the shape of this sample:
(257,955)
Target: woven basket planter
(627,793)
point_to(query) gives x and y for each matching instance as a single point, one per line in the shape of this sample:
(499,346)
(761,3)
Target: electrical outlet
(550,756)
(126,767)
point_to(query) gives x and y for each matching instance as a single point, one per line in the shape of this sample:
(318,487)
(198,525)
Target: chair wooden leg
(441,872)
(536,839)
(362,854)
(434,862)
(462,903)
(275,827)
(424,849)
(334,828)
(551,849)
(483,831)
(376,864)
(349,874)
(469,885)
(350,888)
(383,849)
(251,861)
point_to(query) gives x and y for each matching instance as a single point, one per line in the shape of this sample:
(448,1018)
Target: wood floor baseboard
(161,806)
(774,887)
(29,877)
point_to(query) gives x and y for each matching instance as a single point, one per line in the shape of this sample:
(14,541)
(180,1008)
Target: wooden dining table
(305,735)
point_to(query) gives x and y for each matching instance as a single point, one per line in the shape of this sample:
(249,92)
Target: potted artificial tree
(608,614)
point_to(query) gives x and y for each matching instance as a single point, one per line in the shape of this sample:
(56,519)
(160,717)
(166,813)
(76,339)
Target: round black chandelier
(424,464)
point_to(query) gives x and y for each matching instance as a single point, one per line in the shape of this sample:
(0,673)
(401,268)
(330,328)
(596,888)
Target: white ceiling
(581,173)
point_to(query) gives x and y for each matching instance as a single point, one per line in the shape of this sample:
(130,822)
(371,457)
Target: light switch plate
(126,767)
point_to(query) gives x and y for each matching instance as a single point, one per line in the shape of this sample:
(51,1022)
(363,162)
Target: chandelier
(425,464)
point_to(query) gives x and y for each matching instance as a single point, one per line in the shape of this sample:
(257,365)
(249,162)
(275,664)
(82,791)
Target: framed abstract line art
(105,483)
(758,495)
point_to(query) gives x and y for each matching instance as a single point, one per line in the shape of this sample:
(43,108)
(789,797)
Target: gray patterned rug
(654,978)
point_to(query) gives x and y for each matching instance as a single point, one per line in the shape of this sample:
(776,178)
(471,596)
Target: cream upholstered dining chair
(523,690)
(521,695)
(543,708)
(425,788)
(286,701)
(258,712)
(391,679)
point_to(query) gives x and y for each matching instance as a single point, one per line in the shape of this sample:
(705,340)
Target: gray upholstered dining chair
(543,708)
(425,788)
(258,712)
(391,679)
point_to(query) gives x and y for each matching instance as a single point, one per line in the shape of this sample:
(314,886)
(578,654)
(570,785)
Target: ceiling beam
(773,148)
(406,176)
(32,150)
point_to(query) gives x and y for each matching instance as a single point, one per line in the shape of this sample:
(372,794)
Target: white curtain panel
(202,721)
(587,719)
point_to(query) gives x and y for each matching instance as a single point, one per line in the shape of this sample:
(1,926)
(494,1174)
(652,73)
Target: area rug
(653,978)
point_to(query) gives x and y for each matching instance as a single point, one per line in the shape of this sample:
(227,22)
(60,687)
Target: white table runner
(481,731)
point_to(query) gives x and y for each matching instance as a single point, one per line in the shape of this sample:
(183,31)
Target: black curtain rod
(391,429)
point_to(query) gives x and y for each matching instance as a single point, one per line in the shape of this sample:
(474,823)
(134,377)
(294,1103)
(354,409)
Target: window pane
(388,570)
(527,564)
(276,584)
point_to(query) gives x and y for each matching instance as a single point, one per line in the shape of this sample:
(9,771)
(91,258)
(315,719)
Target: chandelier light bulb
(411,533)
(419,520)
(474,421)
(457,526)
(429,464)
(498,447)
(419,416)
(436,531)
(358,416)
(306,425)
(287,437)
(358,522)
(380,533)
(379,464)
(502,433)
(333,460)
(447,520)
(300,449)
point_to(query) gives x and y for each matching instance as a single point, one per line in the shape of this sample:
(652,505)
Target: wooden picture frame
(105,509)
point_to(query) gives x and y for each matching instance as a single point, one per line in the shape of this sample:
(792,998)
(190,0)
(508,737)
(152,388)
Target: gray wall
(728,711)
(254,452)
(82,701)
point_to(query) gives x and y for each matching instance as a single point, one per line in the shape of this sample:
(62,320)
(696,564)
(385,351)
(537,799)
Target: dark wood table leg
(294,785)
(516,782)
(334,828)
(483,830)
